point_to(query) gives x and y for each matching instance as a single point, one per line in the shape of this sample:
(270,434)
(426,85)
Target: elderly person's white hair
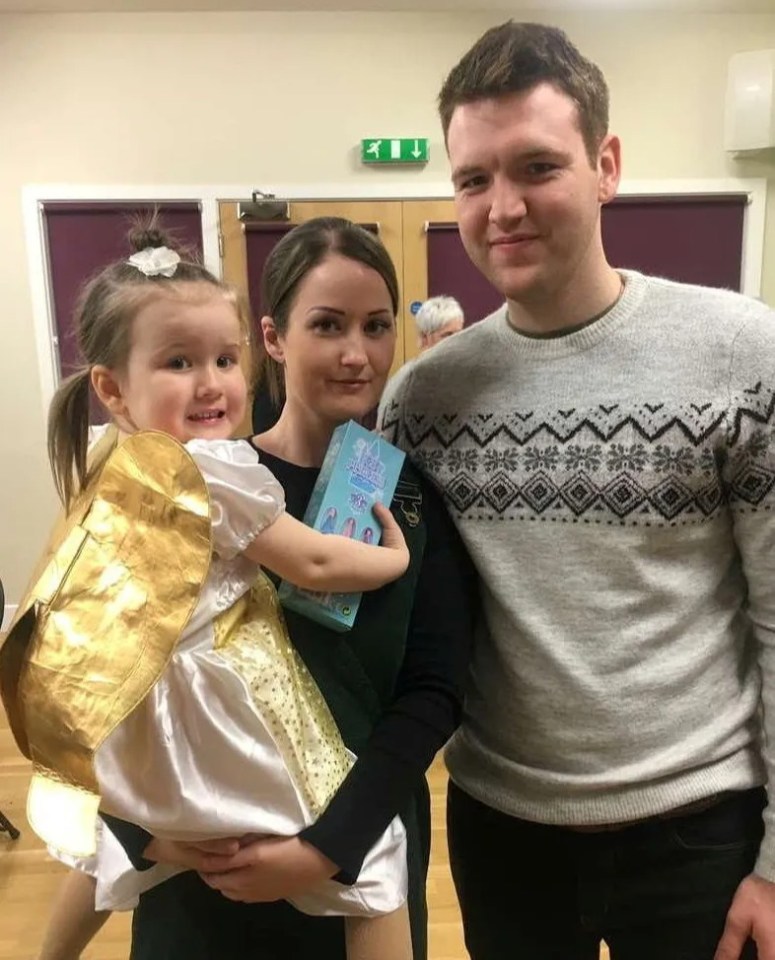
(436,313)
(437,319)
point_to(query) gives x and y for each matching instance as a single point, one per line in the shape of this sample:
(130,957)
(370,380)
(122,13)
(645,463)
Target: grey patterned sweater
(615,488)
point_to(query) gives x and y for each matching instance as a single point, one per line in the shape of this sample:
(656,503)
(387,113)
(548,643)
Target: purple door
(82,238)
(691,238)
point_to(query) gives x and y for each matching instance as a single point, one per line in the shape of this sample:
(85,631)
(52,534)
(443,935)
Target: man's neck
(572,306)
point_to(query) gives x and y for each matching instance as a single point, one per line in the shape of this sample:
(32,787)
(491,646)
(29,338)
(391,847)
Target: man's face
(527,194)
(449,329)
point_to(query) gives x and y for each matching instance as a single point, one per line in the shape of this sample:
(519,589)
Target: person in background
(436,320)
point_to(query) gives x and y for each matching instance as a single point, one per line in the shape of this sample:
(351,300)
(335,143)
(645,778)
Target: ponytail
(68,435)
(103,322)
(271,374)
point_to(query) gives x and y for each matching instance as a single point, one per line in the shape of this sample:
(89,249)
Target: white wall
(262,98)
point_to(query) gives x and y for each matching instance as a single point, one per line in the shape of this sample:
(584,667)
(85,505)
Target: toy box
(359,469)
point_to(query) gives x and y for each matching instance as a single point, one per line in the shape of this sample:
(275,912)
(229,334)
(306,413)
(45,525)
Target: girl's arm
(327,562)
(248,516)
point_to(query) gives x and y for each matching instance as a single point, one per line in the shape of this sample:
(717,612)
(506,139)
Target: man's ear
(272,342)
(609,167)
(108,389)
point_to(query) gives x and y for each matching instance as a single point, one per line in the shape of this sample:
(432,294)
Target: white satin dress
(235,738)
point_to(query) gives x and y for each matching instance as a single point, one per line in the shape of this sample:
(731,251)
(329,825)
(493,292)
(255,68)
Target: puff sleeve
(245,497)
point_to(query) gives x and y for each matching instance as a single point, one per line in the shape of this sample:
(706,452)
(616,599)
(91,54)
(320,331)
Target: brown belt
(696,806)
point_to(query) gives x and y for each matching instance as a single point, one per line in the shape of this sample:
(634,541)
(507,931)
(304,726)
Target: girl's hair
(103,327)
(300,251)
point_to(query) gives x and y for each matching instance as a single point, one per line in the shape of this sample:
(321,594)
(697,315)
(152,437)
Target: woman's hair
(103,327)
(300,251)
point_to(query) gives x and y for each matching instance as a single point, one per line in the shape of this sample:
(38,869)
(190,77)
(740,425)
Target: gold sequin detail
(253,638)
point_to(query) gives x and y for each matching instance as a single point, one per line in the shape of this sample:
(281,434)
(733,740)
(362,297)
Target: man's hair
(515,58)
(437,313)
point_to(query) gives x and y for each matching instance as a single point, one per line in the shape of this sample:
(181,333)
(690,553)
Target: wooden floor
(28,877)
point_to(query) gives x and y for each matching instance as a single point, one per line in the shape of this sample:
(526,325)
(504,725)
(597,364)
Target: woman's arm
(199,855)
(327,562)
(426,707)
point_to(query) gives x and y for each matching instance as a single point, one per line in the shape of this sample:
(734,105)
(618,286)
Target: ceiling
(380,6)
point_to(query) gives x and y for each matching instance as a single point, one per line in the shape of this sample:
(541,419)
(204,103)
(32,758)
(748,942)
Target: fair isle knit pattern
(615,487)
(651,465)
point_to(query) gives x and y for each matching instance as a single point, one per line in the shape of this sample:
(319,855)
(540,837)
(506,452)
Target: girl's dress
(232,737)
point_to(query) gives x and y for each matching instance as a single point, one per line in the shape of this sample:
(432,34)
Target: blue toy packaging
(360,469)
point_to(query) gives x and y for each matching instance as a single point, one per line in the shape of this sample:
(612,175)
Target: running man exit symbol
(394,150)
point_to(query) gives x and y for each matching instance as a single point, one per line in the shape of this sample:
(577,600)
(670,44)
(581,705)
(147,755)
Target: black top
(426,701)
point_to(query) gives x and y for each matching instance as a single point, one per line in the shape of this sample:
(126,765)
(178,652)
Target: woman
(393,683)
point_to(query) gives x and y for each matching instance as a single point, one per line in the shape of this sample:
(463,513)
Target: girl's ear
(272,342)
(108,389)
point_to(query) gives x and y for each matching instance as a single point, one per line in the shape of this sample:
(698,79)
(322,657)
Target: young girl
(219,730)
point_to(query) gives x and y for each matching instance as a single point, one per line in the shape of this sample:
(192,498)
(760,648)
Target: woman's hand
(274,868)
(201,855)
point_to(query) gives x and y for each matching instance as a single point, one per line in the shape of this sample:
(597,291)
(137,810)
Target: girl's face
(339,342)
(183,375)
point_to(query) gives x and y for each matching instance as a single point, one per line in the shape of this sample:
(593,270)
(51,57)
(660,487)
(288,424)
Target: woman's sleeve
(132,838)
(426,707)
(245,497)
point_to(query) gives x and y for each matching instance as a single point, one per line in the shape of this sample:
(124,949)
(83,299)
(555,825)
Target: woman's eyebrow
(326,309)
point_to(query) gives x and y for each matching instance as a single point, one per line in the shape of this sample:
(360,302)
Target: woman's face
(338,345)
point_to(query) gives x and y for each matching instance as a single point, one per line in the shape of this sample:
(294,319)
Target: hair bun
(141,237)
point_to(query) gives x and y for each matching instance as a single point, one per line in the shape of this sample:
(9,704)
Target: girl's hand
(272,869)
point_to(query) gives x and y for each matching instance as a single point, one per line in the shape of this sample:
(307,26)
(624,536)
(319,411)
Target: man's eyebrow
(465,172)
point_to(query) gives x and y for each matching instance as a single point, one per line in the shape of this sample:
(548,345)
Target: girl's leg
(73,921)
(379,938)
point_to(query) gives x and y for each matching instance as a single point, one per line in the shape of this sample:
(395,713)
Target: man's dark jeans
(656,890)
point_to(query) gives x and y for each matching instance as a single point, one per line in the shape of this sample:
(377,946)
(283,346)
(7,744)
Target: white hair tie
(155,261)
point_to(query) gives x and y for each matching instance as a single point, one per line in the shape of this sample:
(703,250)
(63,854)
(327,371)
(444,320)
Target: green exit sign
(387,150)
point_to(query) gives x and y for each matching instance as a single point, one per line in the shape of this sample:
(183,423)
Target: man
(436,320)
(606,445)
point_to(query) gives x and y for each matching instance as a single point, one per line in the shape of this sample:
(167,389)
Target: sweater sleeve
(132,838)
(749,474)
(426,707)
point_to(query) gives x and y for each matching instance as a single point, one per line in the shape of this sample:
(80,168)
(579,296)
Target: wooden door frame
(417,215)
(387,214)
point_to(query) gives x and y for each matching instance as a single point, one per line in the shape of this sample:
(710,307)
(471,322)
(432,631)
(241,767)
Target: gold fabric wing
(122,576)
